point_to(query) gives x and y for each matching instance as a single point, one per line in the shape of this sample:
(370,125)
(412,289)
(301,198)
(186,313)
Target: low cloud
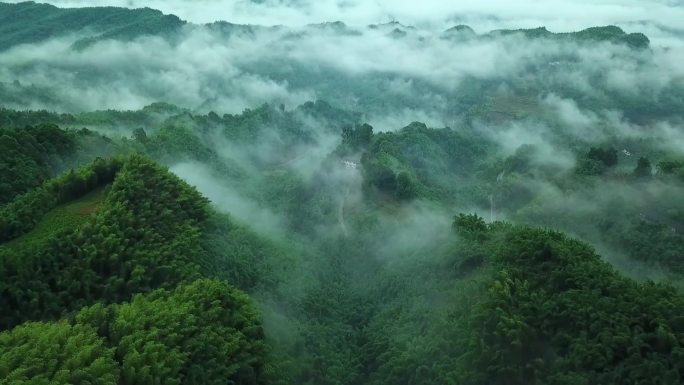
(484,15)
(373,72)
(228,200)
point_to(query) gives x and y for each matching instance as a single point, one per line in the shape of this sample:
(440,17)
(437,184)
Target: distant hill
(607,33)
(30,22)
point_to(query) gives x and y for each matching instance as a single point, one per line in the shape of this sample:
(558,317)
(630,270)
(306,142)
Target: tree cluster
(205,332)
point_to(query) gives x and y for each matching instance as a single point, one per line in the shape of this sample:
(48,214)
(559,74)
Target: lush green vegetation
(29,156)
(534,236)
(112,256)
(30,22)
(546,289)
(417,160)
(243,258)
(202,333)
(130,245)
(25,211)
(56,353)
(66,216)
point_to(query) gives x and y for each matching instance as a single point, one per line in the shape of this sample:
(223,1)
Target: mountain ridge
(122,23)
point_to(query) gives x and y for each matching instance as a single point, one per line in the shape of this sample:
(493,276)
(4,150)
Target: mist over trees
(340,202)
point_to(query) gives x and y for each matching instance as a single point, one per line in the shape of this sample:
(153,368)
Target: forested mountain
(31,22)
(335,204)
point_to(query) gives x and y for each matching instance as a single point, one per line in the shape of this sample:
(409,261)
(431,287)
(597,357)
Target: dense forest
(287,219)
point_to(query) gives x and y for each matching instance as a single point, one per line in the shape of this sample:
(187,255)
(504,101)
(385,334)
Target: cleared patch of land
(64,217)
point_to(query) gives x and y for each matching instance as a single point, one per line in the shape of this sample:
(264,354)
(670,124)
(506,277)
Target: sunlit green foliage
(56,353)
(202,333)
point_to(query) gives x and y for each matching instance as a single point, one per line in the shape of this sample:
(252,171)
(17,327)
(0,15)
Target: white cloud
(415,78)
(484,14)
(569,113)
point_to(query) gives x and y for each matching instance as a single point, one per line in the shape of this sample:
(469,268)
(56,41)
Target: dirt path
(340,214)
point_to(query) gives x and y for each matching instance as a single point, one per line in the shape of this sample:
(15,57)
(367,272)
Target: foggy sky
(483,14)
(231,74)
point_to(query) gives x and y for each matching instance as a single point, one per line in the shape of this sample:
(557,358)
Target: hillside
(339,203)
(31,22)
(484,261)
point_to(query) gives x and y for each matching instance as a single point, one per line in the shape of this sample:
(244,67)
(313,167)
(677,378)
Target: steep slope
(31,22)
(493,303)
(31,154)
(556,314)
(144,236)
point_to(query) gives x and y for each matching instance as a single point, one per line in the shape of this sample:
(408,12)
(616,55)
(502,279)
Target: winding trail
(491,208)
(492,213)
(340,214)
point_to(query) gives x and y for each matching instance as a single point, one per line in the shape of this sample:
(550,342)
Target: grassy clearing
(67,216)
